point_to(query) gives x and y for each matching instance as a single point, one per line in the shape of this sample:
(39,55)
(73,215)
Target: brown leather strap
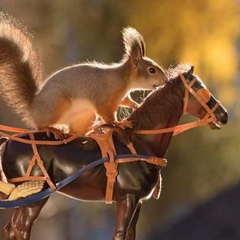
(203,103)
(40,142)
(40,163)
(13,129)
(27,178)
(186,97)
(131,148)
(36,159)
(105,142)
(152,160)
(179,128)
(5,129)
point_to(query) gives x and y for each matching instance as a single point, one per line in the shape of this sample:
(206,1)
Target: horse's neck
(162,109)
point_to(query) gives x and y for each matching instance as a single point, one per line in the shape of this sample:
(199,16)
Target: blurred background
(200,198)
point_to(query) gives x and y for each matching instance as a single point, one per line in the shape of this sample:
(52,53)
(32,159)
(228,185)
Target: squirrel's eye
(152,70)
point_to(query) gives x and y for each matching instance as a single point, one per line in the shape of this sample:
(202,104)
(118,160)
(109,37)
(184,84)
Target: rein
(30,141)
(209,117)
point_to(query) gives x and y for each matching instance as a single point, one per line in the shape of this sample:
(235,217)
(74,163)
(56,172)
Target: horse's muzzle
(224,117)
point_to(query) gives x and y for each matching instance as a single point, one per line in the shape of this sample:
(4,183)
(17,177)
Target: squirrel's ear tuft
(134,43)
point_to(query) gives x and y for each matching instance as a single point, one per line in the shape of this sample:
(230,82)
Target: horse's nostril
(224,118)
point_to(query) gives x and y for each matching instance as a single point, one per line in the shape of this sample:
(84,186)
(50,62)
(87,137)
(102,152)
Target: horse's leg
(20,225)
(131,232)
(126,208)
(9,228)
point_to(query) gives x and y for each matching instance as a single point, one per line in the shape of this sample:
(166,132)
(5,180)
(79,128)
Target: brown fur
(20,65)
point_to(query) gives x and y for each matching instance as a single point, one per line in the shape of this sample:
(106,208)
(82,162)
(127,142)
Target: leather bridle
(208,118)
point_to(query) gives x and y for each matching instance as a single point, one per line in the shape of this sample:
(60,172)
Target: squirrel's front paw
(124,124)
(58,134)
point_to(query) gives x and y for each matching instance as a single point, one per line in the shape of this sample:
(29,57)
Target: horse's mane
(173,72)
(162,102)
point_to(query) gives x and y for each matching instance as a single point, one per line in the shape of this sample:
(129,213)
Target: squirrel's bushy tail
(20,66)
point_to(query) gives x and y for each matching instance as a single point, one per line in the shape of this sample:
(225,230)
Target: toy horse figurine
(135,181)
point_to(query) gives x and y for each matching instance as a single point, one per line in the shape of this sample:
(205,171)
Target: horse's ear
(190,72)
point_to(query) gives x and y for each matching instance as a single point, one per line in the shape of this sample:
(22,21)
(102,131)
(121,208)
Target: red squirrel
(76,94)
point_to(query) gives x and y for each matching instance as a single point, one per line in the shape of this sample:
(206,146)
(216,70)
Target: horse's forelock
(181,68)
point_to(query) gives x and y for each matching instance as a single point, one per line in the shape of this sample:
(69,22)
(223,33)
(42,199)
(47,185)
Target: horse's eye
(152,70)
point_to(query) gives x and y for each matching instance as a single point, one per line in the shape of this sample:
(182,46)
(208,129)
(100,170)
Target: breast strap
(106,144)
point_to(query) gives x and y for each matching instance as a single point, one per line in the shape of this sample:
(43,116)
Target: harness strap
(13,129)
(152,160)
(107,147)
(203,103)
(131,147)
(184,127)
(186,97)
(36,159)
(37,142)
(179,128)
(106,144)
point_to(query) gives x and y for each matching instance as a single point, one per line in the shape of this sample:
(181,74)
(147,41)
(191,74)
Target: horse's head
(200,102)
